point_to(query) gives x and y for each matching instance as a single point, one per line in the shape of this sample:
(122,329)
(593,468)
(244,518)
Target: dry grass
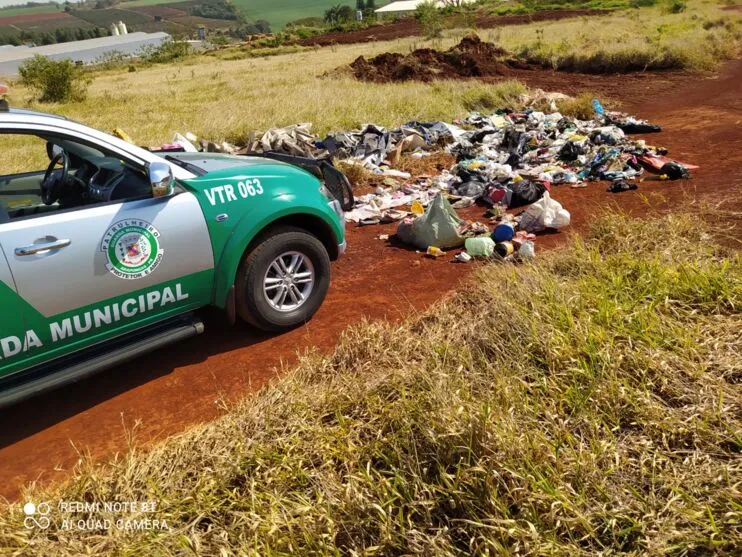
(587,404)
(227,99)
(634,40)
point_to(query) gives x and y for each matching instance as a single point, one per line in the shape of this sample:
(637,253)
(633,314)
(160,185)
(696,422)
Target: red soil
(180,385)
(408,27)
(13,19)
(472,57)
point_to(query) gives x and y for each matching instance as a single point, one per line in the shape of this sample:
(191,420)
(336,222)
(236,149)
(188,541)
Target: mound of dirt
(472,57)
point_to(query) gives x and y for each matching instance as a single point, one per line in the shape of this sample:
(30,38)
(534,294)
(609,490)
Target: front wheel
(283,281)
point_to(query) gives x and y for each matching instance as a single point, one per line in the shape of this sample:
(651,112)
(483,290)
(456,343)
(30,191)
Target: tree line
(59,35)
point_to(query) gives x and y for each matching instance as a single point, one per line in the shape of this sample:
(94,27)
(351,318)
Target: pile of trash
(507,160)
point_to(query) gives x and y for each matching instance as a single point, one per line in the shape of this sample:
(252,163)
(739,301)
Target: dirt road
(408,27)
(181,385)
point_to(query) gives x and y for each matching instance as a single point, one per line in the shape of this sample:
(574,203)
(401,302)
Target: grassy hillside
(587,404)
(277,12)
(41,9)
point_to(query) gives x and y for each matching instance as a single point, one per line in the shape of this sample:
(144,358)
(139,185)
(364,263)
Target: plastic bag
(545,213)
(525,192)
(481,246)
(472,188)
(437,227)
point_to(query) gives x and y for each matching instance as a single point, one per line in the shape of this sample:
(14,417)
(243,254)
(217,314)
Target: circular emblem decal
(132,249)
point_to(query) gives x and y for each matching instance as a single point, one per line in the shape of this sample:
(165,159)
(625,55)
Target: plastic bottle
(504,249)
(417,208)
(481,246)
(504,232)
(527,250)
(435,251)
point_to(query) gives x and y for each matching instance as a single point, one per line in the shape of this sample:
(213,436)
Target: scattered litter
(621,185)
(504,232)
(482,246)
(435,252)
(505,160)
(417,208)
(545,213)
(504,249)
(184,143)
(674,171)
(439,226)
(527,250)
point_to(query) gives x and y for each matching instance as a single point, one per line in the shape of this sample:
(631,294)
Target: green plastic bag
(438,227)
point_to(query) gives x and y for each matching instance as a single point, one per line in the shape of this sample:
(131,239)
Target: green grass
(103,18)
(43,9)
(276,12)
(135,3)
(588,403)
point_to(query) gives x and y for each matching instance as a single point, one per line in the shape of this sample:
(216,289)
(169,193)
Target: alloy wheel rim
(289,281)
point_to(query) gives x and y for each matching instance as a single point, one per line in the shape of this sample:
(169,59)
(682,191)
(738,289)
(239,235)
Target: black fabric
(570,151)
(469,175)
(525,193)
(513,160)
(639,128)
(472,188)
(514,141)
(621,185)
(477,137)
(674,170)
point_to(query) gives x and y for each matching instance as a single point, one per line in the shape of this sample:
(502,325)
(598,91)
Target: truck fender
(251,225)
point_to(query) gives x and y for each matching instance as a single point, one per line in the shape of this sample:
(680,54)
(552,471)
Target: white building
(403,6)
(86,52)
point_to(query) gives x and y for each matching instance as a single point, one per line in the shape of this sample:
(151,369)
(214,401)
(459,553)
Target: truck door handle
(36,248)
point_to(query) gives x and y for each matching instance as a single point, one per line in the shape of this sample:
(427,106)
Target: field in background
(43,9)
(40,26)
(280,12)
(276,12)
(153,102)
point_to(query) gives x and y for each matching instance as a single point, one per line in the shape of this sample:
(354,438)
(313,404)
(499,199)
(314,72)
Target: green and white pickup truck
(106,253)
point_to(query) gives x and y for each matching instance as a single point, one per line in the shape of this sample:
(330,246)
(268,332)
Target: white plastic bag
(544,213)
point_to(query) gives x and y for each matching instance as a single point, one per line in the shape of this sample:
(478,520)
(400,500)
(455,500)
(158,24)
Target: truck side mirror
(161,179)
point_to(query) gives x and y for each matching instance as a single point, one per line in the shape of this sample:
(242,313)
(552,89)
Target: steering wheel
(52,183)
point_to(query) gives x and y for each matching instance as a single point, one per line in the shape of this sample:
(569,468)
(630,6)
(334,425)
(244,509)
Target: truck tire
(283,281)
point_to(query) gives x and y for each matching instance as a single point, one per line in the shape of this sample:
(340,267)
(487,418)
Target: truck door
(13,330)
(89,272)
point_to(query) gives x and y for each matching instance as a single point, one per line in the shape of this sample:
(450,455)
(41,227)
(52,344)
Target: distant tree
(360,5)
(263,26)
(331,14)
(370,8)
(339,14)
(346,14)
(53,80)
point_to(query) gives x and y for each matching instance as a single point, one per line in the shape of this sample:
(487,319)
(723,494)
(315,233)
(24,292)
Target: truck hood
(207,163)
